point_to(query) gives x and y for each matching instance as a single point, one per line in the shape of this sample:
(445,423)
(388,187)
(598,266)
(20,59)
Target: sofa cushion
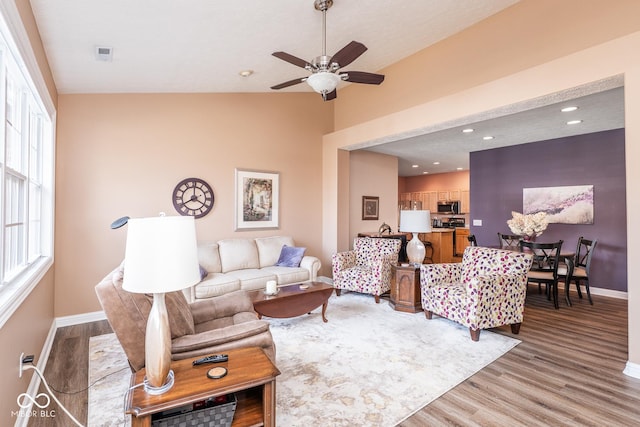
(290,256)
(289,275)
(252,278)
(238,254)
(269,248)
(216,284)
(209,257)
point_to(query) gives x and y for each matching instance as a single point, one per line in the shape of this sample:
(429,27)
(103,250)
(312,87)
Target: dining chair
(577,269)
(544,270)
(472,240)
(508,241)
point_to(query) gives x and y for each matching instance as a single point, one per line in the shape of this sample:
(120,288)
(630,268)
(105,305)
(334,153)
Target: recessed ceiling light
(425,172)
(414,166)
(459,169)
(574,122)
(246,73)
(569,109)
(467,130)
(436,163)
(487,138)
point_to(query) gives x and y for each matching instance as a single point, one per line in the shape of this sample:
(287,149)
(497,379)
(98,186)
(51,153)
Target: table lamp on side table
(161,256)
(415,222)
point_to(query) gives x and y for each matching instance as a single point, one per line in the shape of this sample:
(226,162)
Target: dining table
(567,256)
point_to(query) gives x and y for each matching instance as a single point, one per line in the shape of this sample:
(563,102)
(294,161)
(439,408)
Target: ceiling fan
(324,69)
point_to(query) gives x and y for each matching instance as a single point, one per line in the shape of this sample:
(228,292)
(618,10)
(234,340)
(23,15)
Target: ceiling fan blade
(362,77)
(331,95)
(289,83)
(349,53)
(291,59)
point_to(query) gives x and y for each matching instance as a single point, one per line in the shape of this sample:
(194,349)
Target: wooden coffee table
(292,300)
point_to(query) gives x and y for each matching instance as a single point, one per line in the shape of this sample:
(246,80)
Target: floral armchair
(366,268)
(487,289)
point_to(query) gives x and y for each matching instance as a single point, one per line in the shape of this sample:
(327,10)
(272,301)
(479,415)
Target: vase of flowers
(528,226)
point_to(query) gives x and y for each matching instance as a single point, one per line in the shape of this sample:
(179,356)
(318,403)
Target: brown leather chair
(208,326)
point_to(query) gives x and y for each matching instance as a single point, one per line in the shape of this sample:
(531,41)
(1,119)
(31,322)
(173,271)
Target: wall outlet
(23,361)
(477,223)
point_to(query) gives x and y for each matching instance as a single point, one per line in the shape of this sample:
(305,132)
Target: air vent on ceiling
(103,53)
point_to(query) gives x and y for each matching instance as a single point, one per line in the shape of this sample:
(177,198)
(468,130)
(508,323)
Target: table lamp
(161,256)
(415,222)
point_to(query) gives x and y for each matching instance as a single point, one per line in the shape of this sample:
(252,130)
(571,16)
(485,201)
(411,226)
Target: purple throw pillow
(203,273)
(290,256)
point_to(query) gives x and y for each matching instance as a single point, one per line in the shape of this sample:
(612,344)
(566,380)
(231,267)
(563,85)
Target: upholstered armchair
(486,290)
(366,268)
(201,328)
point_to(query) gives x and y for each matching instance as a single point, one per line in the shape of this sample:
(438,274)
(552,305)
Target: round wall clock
(193,196)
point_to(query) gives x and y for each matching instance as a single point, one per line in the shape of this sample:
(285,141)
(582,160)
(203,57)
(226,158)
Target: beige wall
(123,155)
(528,33)
(373,174)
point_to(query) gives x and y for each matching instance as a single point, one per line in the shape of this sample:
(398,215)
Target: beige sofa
(247,264)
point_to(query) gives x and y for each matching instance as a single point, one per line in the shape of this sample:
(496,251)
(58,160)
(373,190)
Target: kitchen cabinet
(462,240)
(454,194)
(443,195)
(442,243)
(430,201)
(465,202)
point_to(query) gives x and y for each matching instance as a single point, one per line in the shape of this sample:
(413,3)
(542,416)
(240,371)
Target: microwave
(449,207)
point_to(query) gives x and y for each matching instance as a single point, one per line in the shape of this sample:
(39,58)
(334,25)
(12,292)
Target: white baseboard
(632,370)
(600,291)
(78,319)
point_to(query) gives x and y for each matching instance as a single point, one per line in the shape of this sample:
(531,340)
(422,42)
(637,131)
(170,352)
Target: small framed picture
(257,200)
(370,207)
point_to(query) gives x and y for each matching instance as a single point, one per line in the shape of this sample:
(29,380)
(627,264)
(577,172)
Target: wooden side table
(405,288)
(251,376)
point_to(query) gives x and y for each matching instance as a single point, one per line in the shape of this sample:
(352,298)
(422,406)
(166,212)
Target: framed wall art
(370,207)
(257,200)
(563,205)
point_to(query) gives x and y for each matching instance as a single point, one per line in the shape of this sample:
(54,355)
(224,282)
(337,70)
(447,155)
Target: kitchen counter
(442,230)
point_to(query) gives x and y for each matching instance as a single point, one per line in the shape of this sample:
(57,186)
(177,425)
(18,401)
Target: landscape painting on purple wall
(563,205)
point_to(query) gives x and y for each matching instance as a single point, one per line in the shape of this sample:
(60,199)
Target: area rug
(109,376)
(368,366)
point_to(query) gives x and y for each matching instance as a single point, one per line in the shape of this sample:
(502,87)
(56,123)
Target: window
(26,170)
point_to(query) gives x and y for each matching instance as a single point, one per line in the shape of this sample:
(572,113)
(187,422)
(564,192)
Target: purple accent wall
(498,176)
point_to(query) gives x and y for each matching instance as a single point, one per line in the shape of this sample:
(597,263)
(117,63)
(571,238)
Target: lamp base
(153,390)
(416,250)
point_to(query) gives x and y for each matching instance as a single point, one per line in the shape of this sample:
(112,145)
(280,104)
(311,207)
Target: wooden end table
(405,288)
(251,376)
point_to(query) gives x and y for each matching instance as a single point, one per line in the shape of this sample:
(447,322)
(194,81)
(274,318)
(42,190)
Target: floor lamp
(415,222)
(161,256)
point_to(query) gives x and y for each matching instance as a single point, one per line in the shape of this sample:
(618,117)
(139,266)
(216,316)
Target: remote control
(214,358)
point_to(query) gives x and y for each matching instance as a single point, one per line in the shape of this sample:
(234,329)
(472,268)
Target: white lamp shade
(323,82)
(415,221)
(161,255)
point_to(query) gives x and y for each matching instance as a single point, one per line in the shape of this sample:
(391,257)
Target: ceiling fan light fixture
(323,82)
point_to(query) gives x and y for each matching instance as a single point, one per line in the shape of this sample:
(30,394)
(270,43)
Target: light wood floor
(566,372)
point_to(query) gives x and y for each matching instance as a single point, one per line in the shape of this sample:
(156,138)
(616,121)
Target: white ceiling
(203,45)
